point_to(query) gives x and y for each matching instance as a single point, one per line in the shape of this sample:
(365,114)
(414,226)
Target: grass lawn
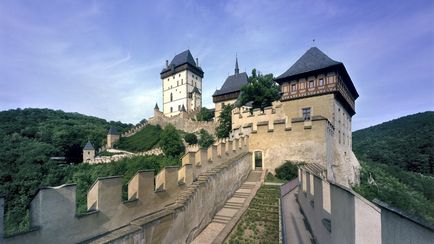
(260,222)
(143,140)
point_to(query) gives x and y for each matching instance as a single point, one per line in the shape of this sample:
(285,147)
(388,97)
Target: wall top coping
(357,195)
(103,178)
(414,218)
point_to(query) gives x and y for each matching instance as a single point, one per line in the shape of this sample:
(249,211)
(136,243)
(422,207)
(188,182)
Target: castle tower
(88,152)
(112,137)
(230,90)
(182,84)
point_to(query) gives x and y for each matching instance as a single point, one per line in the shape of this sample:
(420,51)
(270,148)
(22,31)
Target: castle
(311,123)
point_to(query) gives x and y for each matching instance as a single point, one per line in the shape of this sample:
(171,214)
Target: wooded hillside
(397,163)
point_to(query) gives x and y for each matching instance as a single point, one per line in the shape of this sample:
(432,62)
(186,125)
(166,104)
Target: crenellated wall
(194,191)
(280,133)
(337,214)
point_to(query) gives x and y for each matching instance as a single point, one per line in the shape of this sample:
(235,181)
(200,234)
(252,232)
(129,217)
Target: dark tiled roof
(232,84)
(313,59)
(113,131)
(182,58)
(195,90)
(88,146)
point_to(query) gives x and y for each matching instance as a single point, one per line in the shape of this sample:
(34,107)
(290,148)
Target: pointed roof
(182,58)
(156,106)
(183,108)
(195,90)
(232,84)
(237,70)
(88,146)
(113,131)
(313,61)
(182,61)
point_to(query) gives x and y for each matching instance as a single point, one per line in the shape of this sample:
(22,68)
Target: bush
(171,142)
(225,122)
(205,115)
(190,138)
(288,171)
(143,140)
(206,139)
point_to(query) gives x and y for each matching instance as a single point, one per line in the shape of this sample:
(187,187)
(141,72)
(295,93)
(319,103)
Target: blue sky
(103,58)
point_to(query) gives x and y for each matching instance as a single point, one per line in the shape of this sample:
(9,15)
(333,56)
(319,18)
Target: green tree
(205,114)
(225,122)
(205,139)
(171,142)
(190,138)
(261,91)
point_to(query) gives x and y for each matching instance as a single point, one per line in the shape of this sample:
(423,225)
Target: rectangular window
(179,107)
(321,82)
(293,87)
(306,113)
(171,109)
(311,84)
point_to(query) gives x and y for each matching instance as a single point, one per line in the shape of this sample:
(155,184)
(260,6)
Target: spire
(237,70)
(156,107)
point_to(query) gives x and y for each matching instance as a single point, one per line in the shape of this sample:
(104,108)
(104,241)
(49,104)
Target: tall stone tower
(88,152)
(182,84)
(112,137)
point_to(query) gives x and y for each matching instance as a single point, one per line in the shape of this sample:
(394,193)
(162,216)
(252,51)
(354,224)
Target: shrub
(288,171)
(171,142)
(190,138)
(206,139)
(205,114)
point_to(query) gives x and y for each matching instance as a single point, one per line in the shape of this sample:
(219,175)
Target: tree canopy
(190,138)
(225,122)
(205,139)
(171,142)
(205,114)
(261,91)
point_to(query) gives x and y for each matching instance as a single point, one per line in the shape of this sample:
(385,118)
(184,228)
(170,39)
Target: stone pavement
(296,231)
(225,219)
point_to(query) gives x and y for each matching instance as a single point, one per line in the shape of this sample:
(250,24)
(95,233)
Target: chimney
(197,62)
(167,63)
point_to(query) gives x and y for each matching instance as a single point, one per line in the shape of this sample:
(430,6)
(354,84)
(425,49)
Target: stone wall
(281,134)
(337,214)
(182,121)
(156,208)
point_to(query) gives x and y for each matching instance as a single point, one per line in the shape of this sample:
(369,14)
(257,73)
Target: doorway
(258,160)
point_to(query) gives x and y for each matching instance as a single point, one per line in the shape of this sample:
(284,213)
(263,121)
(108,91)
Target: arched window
(171,97)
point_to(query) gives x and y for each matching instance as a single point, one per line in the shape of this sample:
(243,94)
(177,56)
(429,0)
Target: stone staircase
(225,219)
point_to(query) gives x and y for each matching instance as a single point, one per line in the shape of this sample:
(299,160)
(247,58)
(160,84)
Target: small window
(196,77)
(179,75)
(306,113)
(177,83)
(173,77)
(321,82)
(311,84)
(171,109)
(293,87)
(179,107)
(171,97)
(88,153)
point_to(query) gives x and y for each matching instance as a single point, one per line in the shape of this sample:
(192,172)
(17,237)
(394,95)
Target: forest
(28,139)
(397,163)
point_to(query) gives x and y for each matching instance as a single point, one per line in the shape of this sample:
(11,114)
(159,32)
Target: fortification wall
(281,137)
(337,214)
(154,202)
(182,121)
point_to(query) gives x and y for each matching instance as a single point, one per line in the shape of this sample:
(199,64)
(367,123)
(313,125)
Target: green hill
(397,163)
(28,138)
(143,140)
